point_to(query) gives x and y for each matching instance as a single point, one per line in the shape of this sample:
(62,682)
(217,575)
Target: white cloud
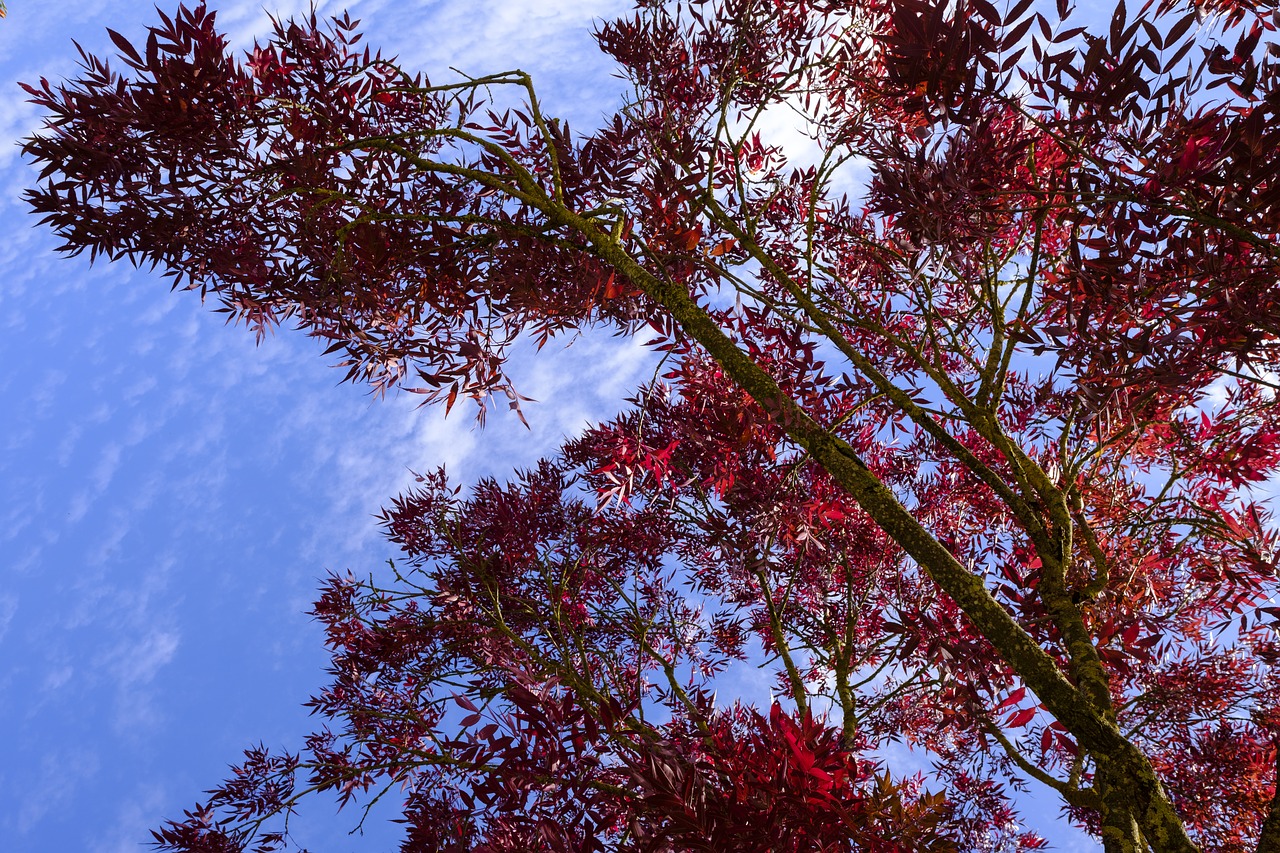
(26,561)
(133,665)
(8,607)
(135,818)
(484,36)
(20,515)
(138,663)
(57,677)
(61,771)
(245,21)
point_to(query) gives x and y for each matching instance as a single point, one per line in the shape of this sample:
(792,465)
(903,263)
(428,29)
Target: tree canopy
(964,429)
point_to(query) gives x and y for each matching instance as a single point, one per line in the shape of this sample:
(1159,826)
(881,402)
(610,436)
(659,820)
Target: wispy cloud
(135,817)
(53,786)
(135,665)
(8,607)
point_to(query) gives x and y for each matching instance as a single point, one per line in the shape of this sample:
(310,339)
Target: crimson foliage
(972,456)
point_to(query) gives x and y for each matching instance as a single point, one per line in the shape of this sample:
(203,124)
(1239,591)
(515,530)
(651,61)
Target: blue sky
(170,493)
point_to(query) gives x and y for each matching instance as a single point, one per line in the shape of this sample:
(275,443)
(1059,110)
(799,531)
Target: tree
(976,458)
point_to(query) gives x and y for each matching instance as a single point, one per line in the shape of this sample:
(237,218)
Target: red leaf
(1020,718)
(1012,699)
(723,246)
